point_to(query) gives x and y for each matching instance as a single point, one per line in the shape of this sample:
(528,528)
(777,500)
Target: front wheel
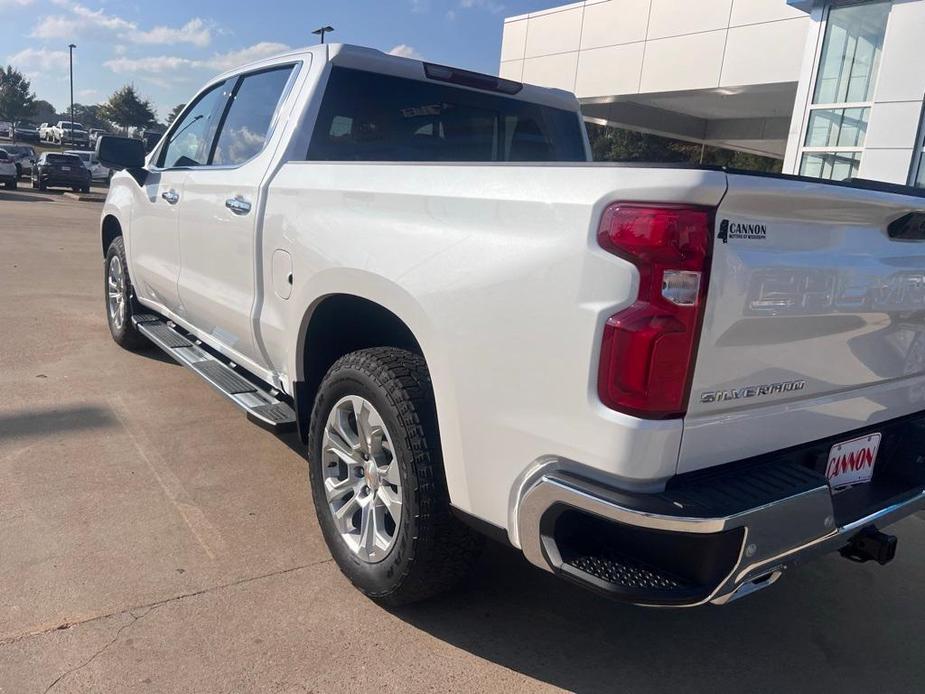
(378,482)
(120,302)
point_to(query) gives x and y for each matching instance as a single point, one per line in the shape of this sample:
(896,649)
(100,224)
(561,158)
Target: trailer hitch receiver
(870,545)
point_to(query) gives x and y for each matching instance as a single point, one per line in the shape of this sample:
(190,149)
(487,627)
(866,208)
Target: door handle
(238,205)
(171,196)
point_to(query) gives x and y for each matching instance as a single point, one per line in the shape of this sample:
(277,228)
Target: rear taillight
(648,350)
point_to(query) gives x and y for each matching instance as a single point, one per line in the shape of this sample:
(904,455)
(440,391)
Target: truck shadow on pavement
(829,626)
(40,422)
(10,196)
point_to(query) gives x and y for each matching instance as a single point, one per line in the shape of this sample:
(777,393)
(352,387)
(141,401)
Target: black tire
(85,189)
(433,550)
(11,185)
(75,189)
(125,334)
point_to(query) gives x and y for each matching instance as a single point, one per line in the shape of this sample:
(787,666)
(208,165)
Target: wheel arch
(337,324)
(110,229)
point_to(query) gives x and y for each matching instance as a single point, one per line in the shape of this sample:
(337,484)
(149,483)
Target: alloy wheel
(115,287)
(362,482)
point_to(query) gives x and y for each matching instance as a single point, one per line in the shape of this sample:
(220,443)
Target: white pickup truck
(668,385)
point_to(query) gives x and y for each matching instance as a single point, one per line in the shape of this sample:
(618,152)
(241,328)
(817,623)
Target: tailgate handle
(910,227)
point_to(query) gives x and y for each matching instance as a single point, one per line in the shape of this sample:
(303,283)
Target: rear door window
(372,117)
(63,159)
(250,115)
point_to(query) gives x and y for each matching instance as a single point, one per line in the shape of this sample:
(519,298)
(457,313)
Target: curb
(85,197)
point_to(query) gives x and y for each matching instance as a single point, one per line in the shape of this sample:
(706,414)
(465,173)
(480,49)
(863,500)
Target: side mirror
(120,152)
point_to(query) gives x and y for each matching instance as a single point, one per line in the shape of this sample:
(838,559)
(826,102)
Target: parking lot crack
(139,611)
(108,645)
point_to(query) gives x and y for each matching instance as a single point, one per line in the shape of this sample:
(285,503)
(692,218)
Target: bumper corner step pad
(260,402)
(630,580)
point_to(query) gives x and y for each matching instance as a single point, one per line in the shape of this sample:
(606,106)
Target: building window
(846,76)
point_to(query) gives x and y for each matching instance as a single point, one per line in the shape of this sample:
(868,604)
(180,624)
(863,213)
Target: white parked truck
(669,385)
(68,133)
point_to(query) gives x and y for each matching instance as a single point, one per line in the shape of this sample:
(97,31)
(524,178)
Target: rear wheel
(120,302)
(378,482)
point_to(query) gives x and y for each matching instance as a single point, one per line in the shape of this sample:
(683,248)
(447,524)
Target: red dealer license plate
(852,462)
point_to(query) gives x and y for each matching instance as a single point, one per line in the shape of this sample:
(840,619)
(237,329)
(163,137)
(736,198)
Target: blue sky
(168,48)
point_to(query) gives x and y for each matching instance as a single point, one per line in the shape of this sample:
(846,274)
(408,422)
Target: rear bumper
(63,180)
(712,541)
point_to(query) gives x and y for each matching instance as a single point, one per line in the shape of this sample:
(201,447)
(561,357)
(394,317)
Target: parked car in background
(45,131)
(26,131)
(22,156)
(151,138)
(54,170)
(70,133)
(96,134)
(6,129)
(7,171)
(98,172)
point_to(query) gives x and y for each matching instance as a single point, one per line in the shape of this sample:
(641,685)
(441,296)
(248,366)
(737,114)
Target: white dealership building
(835,89)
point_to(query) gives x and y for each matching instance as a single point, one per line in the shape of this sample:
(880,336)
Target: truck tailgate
(814,323)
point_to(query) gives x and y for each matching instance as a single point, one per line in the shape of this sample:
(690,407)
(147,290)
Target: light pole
(321,31)
(71,48)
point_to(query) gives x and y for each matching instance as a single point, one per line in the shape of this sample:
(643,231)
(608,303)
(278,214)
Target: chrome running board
(262,404)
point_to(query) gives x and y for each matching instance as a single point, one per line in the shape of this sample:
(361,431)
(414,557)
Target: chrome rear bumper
(774,536)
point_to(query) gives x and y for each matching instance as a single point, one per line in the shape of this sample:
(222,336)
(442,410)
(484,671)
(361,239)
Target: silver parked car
(22,156)
(98,172)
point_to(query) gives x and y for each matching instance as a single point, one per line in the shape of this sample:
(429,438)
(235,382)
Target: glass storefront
(845,81)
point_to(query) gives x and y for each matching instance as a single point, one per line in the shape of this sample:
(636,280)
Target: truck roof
(373,60)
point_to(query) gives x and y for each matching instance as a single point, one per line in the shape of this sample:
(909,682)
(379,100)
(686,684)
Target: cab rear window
(372,117)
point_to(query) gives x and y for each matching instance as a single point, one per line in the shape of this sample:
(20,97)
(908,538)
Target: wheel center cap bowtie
(371,473)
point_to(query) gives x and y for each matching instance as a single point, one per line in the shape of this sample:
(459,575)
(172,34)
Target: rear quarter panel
(497,272)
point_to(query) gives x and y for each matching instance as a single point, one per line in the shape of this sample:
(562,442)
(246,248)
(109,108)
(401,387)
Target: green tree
(128,110)
(44,112)
(618,144)
(89,116)
(17,100)
(174,112)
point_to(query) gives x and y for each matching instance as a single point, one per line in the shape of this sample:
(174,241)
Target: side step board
(262,405)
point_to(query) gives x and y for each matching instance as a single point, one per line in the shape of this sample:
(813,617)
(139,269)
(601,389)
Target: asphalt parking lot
(152,540)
